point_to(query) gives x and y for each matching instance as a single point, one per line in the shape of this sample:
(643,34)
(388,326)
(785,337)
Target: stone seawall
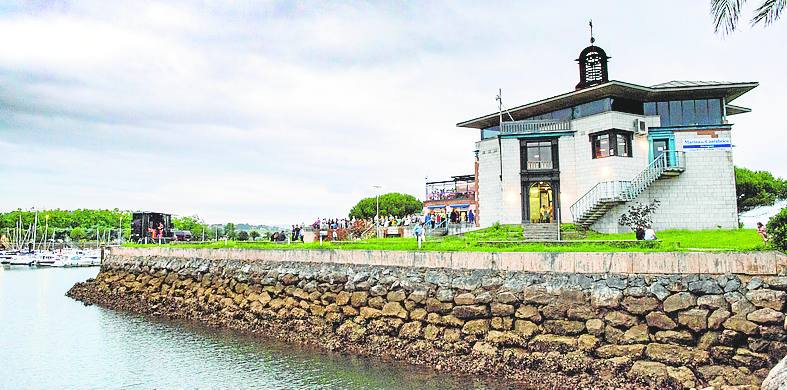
(544,329)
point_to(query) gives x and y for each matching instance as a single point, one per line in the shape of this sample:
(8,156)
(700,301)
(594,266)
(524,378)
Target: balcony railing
(530,126)
(536,165)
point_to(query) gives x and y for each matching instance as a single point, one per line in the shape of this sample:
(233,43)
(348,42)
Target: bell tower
(592,64)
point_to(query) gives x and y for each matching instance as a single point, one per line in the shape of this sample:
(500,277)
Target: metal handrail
(626,191)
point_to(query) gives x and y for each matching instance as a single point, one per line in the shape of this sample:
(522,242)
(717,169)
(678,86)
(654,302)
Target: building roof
(672,90)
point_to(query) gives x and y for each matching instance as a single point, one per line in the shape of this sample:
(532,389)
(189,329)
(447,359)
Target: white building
(586,155)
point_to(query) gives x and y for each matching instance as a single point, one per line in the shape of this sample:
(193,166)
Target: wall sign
(707,143)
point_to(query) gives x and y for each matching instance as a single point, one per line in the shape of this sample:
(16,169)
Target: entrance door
(541,203)
(660,146)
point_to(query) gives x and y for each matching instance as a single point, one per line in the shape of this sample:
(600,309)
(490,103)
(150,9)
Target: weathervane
(592,40)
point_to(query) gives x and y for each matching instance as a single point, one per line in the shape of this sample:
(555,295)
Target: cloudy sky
(279,112)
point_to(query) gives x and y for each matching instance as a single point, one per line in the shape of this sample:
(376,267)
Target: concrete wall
(499,201)
(473,313)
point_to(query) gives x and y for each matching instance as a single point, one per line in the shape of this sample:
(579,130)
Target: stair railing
(626,191)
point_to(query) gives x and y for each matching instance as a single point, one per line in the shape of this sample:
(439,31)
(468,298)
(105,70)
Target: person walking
(418,232)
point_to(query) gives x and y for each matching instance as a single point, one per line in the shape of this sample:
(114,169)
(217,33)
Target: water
(49,341)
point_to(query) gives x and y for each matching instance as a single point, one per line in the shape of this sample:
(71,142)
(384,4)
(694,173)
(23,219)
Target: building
(585,156)
(458,194)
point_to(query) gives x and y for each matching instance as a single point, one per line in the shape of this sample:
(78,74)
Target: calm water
(49,341)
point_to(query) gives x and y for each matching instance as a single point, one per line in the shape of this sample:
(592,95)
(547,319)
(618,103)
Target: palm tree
(727,12)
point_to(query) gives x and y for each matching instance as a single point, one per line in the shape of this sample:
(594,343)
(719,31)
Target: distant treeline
(74,224)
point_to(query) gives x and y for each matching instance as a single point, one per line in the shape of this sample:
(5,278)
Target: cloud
(279,112)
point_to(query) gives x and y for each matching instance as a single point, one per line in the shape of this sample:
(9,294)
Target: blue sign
(707,143)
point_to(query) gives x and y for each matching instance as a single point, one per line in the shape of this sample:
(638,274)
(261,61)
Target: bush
(777,230)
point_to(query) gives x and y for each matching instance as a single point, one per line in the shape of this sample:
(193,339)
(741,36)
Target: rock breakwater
(544,330)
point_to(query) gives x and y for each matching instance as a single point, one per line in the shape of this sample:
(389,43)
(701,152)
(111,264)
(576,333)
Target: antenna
(592,40)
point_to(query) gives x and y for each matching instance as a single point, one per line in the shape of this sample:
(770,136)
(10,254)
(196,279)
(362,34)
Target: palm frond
(768,12)
(726,14)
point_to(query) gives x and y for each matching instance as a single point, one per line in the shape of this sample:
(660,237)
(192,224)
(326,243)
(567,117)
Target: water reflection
(51,341)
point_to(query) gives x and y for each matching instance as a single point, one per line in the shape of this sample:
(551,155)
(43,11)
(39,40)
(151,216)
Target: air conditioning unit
(640,127)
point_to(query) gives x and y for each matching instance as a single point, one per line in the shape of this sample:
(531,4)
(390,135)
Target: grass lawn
(488,240)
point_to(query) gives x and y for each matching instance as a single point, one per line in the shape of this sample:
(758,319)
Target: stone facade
(547,330)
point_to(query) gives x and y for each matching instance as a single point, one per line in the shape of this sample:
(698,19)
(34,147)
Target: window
(611,143)
(539,155)
(686,112)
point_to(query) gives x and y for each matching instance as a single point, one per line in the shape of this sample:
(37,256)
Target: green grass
(488,240)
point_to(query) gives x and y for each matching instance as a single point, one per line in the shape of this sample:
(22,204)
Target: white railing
(532,165)
(530,126)
(625,191)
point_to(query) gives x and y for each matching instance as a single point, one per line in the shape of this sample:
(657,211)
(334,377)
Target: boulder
(470,311)
(749,359)
(506,297)
(674,337)
(396,296)
(717,318)
(777,377)
(501,309)
(580,312)
(766,315)
(528,312)
(595,326)
(708,286)
(464,299)
(394,309)
(676,355)
(635,335)
(684,376)
(739,323)
(506,339)
(721,376)
(536,294)
(418,314)
(417,296)
(731,338)
(620,319)
(550,342)
(634,351)
(358,298)
(712,302)
(587,343)
(640,305)
(648,371)
(476,327)
(603,296)
(378,290)
(432,332)
(679,301)
(563,327)
(411,330)
(694,319)
(434,305)
(773,299)
(451,320)
(484,348)
(526,328)
(660,320)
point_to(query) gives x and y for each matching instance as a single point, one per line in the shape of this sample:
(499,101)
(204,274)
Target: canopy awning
(460,206)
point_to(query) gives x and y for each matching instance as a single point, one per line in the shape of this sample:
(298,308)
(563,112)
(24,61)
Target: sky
(278,112)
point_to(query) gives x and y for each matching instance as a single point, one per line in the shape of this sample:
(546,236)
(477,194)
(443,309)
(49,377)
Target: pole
(500,131)
(46,230)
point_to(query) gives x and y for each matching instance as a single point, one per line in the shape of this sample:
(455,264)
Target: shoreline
(538,370)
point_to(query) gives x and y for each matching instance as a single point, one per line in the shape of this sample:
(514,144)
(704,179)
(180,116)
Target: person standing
(418,232)
(470,217)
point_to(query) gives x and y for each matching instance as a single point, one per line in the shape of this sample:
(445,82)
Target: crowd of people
(448,195)
(436,218)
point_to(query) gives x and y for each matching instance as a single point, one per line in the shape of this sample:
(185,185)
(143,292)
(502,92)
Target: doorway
(541,202)
(660,147)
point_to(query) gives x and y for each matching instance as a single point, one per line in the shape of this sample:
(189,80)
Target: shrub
(777,230)
(639,215)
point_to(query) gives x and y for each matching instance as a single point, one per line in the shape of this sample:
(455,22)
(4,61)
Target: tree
(726,13)
(77,234)
(243,235)
(777,230)
(254,235)
(229,231)
(757,188)
(392,203)
(193,224)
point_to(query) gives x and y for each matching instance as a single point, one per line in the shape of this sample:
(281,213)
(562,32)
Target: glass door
(541,203)
(660,147)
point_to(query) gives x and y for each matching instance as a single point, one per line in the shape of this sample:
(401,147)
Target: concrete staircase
(540,231)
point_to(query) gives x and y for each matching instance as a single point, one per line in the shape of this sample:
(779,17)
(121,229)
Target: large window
(686,112)
(611,143)
(539,155)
